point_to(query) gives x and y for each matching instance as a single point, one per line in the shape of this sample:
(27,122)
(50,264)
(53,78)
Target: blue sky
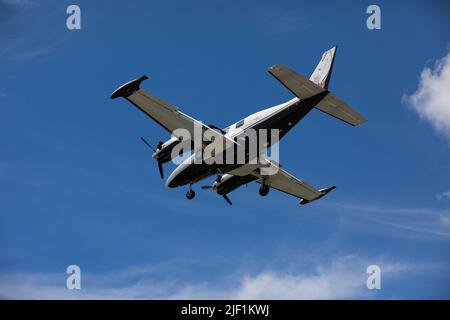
(77,186)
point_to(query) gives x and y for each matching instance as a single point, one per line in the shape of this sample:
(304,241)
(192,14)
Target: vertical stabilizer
(322,74)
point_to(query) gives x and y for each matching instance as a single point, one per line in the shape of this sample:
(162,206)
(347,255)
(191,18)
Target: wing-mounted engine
(227,183)
(230,183)
(163,151)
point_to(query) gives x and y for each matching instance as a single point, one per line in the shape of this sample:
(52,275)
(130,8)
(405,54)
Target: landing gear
(190,194)
(264,190)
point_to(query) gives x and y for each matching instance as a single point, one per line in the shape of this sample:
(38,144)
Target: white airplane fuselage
(282,117)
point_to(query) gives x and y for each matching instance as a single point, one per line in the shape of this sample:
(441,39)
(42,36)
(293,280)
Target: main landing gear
(190,194)
(264,190)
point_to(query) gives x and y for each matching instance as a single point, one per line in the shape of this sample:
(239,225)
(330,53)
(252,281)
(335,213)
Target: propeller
(227,199)
(214,188)
(148,144)
(214,185)
(158,147)
(160,168)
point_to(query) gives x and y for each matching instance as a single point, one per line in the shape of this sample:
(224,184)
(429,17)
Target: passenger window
(240,124)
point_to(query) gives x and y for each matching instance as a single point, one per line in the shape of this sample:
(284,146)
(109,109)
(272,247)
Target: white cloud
(345,277)
(432,98)
(339,281)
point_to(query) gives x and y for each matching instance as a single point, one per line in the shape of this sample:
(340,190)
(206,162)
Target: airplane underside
(284,121)
(310,93)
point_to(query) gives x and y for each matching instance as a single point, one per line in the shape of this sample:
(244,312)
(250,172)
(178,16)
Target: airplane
(309,94)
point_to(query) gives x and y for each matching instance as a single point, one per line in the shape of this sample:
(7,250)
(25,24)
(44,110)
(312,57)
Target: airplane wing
(287,183)
(304,89)
(164,113)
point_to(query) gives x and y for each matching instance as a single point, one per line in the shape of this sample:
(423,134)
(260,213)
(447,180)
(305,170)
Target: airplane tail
(322,74)
(318,85)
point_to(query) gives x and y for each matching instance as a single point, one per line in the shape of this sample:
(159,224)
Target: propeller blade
(227,199)
(206,187)
(161,171)
(148,144)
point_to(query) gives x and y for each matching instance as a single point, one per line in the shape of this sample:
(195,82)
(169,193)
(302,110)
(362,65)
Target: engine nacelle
(163,152)
(229,182)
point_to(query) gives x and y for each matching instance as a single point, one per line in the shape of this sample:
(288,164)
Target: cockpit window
(240,124)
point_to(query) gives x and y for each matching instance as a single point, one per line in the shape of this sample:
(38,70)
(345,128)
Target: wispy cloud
(27,47)
(445,220)
(344,277)
(18,2)
(275,18)
(39,41)
(432,98)
(413,221)
(443,195)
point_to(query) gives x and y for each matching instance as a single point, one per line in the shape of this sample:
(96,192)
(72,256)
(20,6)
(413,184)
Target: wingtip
(128,88)
(323,192)
(326,190)
(272,67)
(275,66)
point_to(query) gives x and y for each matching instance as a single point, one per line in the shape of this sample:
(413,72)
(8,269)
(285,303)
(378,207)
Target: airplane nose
(180,176)
(170,180)
(175,178)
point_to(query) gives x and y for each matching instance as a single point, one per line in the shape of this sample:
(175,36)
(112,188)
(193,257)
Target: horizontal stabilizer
(304,89)
(300,86)
(339,109)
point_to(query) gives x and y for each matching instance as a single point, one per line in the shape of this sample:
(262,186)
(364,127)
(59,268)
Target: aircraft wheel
(190,194)
(264,190)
